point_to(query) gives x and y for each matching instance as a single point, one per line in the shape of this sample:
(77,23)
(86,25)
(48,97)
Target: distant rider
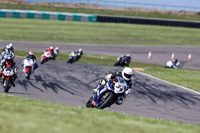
(79,53)
(32,56)
(56,53)
(51,51)
(9,62)
(126,74)
(8,49)
(173,64)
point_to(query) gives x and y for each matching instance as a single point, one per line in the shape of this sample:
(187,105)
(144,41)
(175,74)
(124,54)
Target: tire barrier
(5,13)
(148,21)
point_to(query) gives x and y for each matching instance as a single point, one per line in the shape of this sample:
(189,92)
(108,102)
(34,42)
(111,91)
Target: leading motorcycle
(7,78)
(108,94)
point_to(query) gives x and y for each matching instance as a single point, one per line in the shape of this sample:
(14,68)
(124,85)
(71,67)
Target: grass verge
(101,12)
(183,77)
(52,31)
(22,115)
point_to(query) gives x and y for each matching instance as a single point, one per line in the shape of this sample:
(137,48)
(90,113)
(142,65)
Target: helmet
(51,48)
(11,45)
(79,49)
(56,48)
(9,58)
(8,47)
(128,55)
(127,72)
(31,53)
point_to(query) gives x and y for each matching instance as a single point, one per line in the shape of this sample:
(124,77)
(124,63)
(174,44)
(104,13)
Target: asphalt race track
(160,54)
(62,83)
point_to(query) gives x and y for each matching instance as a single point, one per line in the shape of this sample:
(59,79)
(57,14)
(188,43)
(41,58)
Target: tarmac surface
(71,84)
(160,54)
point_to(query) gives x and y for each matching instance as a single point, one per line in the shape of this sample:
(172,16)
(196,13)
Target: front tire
(107,101)
(7,85)
(28,74)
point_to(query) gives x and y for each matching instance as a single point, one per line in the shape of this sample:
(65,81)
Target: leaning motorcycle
(7,78)
(108,94)
(72,58)
(122,62)
(28,66)
(45,57)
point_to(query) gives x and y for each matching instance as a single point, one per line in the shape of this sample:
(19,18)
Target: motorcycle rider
(173,64)
(51,51)
(79,53)
(56,53)
(73,55)
(128,56)
(9,62)
(32,56)
(126,74)
(8,49)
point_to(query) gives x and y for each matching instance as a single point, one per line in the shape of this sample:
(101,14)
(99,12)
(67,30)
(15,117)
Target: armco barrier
(47,15)
(148,21)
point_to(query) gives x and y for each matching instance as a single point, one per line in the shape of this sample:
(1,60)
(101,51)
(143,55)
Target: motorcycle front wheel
(106,100)
(7,85)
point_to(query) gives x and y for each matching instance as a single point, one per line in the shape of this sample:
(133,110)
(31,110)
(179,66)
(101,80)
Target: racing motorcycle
(72,58)
(123,61)
(108,94)
(45,57)
(7,78)
(28,66)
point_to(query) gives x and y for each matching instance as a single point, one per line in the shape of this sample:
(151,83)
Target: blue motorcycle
(108,94)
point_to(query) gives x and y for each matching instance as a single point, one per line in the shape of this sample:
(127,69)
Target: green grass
(22,115)
(183,77)
(102,12)
(53,31)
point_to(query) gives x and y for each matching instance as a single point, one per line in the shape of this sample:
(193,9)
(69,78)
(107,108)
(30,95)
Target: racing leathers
(13,65)
(34,60)
(111,77)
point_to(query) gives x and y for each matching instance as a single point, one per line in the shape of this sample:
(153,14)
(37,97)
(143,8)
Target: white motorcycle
(45,57)
(28,66)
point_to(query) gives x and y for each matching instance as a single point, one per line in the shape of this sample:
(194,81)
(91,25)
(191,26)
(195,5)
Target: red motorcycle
(45,57)
(7,78)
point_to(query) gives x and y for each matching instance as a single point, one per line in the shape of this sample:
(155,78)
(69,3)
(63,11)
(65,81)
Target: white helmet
(11,45)
(128,55)
(8,47)
(31,53)
(127,72)
(79,49)
(56,48)
(51,48)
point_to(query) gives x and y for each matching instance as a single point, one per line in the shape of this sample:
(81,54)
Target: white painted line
(169,82)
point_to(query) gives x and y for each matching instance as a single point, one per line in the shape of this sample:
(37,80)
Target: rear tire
(89,103)
(108,101)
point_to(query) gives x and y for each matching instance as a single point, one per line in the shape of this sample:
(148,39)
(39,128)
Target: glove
(128,92)
(101,82)
(108,77)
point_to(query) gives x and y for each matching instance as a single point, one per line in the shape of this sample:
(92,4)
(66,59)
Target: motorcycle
(45,57)
(123,61)
(7,78)
(108,94)
(28,65)
(72,58)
